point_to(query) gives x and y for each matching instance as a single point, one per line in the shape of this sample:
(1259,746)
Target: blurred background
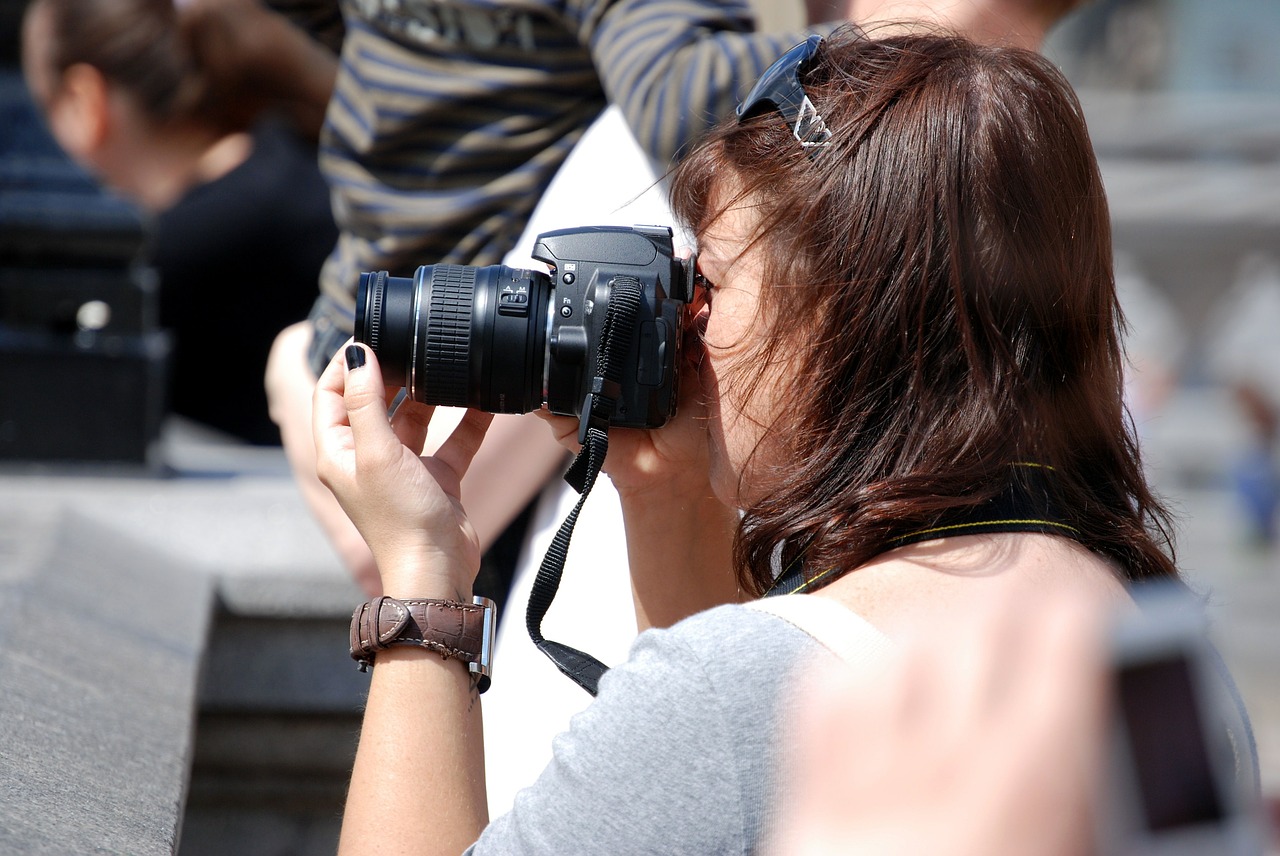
(1183,102)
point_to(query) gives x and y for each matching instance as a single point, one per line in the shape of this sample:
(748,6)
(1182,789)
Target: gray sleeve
(672,757)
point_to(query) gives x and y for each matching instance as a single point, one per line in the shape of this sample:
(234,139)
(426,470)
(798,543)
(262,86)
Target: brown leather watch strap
(463,631)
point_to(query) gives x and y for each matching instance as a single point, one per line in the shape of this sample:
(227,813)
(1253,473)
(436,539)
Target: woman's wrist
(685,487)
(433,577)
(679,550)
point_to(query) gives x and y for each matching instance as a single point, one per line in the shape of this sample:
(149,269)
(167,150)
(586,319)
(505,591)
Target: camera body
(507,340)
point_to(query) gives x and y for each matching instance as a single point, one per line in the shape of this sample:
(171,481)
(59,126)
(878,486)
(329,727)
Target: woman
(238,213)
(908,383)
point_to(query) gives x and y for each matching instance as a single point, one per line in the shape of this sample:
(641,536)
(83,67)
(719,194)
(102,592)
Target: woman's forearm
(679,548)
(268,56)
(418,781)
(304,71)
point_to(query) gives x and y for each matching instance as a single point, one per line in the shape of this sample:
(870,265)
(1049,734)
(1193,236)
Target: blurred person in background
(1155,342)
(138,93)
(1244,355)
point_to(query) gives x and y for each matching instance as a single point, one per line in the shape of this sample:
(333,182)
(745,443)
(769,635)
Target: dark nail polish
(355,356)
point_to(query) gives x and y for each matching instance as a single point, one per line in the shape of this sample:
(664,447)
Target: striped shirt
(450,118)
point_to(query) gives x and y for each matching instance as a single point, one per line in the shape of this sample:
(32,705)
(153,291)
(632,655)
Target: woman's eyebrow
(709,251)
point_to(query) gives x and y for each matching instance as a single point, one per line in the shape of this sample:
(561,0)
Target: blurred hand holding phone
(1182,773)
(1029,726)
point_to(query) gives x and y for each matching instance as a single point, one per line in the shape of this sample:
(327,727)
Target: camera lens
(458,335)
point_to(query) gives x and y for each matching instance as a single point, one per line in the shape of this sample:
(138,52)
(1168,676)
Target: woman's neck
(178,159)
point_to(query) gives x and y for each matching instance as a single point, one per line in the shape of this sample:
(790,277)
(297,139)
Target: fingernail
(354,356)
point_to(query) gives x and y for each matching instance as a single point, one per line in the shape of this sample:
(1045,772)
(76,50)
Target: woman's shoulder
(685,730)
(732,627)
(725,645)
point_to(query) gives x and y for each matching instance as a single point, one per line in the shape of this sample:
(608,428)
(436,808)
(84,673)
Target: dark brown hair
(146,48)
(943,272)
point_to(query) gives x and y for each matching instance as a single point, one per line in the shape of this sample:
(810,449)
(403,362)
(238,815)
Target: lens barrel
(458,335)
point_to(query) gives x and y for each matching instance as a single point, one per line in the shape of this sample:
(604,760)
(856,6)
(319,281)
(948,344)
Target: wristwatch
(464,631)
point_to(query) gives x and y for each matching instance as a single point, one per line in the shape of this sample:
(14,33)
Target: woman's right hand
(984,734)
(671,460)
(679,534)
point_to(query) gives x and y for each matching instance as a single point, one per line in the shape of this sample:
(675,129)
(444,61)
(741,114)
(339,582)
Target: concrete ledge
(131,603)
(99,666)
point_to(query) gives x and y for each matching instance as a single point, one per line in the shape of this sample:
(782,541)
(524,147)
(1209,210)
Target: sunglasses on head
(779,89)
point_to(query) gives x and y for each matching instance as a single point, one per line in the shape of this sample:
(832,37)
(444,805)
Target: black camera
(598,337)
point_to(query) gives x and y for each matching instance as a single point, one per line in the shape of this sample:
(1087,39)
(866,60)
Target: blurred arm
(265,54)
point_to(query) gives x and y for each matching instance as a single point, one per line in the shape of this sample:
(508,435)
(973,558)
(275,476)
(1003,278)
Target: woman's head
(936,284)
(97,66)
(135,44)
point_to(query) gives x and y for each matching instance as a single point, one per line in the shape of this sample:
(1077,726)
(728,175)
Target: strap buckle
(482,669)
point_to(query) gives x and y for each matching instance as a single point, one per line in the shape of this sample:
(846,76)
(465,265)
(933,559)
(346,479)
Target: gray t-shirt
(676,754)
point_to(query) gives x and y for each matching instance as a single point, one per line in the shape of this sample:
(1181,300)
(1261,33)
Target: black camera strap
(625,296)
(583,669)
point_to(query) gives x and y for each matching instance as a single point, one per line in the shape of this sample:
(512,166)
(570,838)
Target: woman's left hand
(406,505)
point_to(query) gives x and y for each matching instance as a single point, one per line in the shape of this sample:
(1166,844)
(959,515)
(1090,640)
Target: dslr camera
(597,337)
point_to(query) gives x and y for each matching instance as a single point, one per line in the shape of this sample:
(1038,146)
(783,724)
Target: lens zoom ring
(448,348)
(377,291)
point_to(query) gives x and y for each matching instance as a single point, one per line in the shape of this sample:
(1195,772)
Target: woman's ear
(79,114)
